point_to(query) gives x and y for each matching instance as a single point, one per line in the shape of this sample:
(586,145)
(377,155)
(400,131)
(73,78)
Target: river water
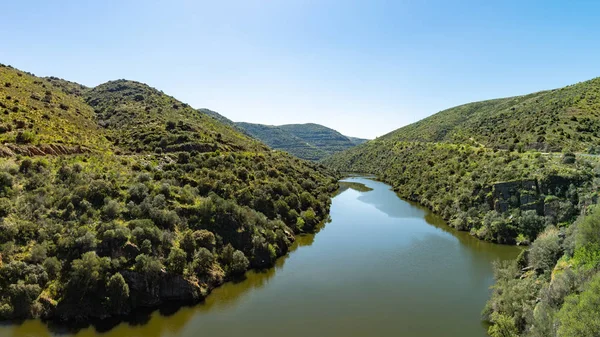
(381,267)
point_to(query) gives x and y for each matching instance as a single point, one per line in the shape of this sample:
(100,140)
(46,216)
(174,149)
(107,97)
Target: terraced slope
(306,141)
(280,139)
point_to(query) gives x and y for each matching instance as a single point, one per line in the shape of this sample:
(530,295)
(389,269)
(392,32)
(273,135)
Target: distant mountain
(358,141)
(218,117)
(307,141)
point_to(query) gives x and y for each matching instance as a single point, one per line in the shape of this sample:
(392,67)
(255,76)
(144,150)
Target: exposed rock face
(528,194)
(166,287)
(557,185)
(506,190)
(176,288)
(10,150)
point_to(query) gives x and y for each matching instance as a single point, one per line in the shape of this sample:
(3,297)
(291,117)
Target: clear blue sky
(362,67)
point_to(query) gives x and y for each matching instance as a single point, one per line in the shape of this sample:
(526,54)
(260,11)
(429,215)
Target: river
(381,267)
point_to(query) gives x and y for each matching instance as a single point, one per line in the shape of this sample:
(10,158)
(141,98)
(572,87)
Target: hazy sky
(361,67)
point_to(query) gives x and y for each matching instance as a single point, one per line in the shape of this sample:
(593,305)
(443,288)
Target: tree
(118,292)
(545,250)
(87,272)
(176,261)
(22,297)
(205,238)
(6,182)
(52,267)
(504,326)
(111,209)
(579,315)
(531,224)
(188,243)
(239,263)
(203,261)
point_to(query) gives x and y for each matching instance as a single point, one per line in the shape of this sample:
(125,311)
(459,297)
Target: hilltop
(37,113)
(565,119)
(307,141)
(119,197)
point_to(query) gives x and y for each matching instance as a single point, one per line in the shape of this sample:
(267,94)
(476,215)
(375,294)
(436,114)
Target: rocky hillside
(307,141)
(119,197)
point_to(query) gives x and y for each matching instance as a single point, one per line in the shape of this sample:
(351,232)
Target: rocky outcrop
(506,190)
(176,288)
(528,194)
(164,288)
(11,150)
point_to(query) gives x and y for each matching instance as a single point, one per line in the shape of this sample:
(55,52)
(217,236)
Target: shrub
(202,262)
(25,137)
(239,263)
(579,315)
(176,261)
(545,250)
(568,158)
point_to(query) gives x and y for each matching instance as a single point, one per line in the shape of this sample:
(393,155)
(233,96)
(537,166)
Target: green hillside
(565,119)
(160,203)
(321,136)
(358,141)
(484,167)
(280,139)
(306,141)
(140,118)
(218,117)
(35,114)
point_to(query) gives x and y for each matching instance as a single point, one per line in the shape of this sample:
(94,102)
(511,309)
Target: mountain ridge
(307,141)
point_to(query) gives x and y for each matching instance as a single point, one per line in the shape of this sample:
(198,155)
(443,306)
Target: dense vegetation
(500,196)
(553,289)
(165,203)
(565,119)
(306,141)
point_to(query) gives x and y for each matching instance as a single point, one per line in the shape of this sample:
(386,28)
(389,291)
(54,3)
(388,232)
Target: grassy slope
(169,194)
(45,114)
(554,120)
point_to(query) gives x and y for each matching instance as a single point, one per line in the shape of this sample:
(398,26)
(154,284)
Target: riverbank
(381,266)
